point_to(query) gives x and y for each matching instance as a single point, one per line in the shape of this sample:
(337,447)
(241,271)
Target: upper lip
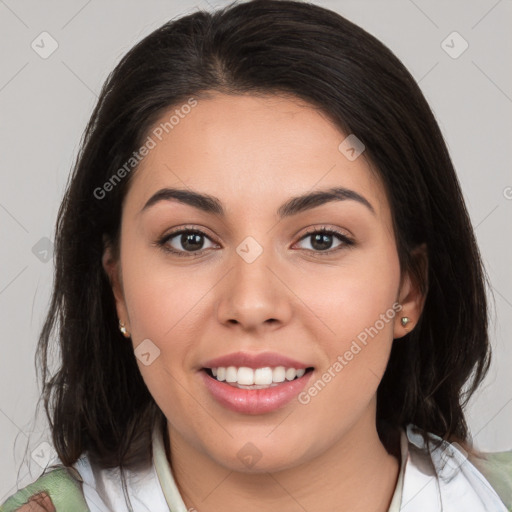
(259,360)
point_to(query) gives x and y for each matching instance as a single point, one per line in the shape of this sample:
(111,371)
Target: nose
(254,294)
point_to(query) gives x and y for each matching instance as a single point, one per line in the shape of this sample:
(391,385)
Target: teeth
(291,373)
(231,374)
(259,378)
(278,374)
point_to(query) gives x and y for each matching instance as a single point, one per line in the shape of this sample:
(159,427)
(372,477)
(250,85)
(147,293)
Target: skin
(38,503)
(254,153)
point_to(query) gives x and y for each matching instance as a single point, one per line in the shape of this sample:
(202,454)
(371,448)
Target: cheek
(356,304)
(352,297)
(161,297)
(163,304)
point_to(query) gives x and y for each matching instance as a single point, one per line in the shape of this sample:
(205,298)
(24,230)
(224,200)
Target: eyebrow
(293,206)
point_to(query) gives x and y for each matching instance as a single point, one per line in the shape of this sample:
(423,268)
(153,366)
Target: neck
(356,474)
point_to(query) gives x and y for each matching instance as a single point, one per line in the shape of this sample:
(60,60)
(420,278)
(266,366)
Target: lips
(259,360)
(254,401)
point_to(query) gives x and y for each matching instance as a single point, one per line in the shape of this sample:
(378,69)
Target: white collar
(164,473)
(444,480)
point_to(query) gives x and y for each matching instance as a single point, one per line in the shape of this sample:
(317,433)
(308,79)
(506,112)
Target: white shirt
(441,480)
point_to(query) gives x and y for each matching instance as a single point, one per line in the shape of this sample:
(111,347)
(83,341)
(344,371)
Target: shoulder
(496,467)
(486,476)
(62,484)
(80,488)
(87,487)
(136,488)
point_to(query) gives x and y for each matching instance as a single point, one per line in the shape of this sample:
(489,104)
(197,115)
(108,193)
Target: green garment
(497,469)
(63,487)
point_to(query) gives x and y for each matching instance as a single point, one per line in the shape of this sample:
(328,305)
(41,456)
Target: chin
(252,460)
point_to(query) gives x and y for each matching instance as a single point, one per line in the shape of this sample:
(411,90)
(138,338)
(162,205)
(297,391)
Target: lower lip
(255,401)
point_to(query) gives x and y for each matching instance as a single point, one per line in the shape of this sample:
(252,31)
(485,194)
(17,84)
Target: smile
(255,391)
(258,378)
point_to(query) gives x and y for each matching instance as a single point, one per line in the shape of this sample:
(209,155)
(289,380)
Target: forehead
(250,150)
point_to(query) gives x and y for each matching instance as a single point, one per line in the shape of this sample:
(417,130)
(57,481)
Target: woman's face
(258,281)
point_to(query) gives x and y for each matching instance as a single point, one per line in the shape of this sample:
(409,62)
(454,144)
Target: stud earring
(122,328)
(405,320)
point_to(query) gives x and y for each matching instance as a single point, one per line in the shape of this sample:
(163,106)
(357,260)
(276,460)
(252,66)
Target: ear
(112,267)
(413,292)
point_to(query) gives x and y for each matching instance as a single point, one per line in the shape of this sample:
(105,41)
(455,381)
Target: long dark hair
(97,400)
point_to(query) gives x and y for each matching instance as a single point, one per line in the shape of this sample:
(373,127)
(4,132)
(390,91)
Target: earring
(405,320)
(122,328)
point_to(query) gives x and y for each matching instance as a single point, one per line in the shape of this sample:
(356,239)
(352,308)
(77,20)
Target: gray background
(45,104)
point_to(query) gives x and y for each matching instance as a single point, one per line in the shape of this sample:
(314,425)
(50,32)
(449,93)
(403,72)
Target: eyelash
(162,242)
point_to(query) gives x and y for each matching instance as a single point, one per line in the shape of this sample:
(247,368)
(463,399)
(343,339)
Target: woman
(268,290)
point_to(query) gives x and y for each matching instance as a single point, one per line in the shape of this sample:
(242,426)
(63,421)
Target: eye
(321,240)
(190,242)
(185,242)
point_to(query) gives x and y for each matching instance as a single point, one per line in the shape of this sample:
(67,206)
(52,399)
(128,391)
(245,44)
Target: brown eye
(191,241)
(322,240)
